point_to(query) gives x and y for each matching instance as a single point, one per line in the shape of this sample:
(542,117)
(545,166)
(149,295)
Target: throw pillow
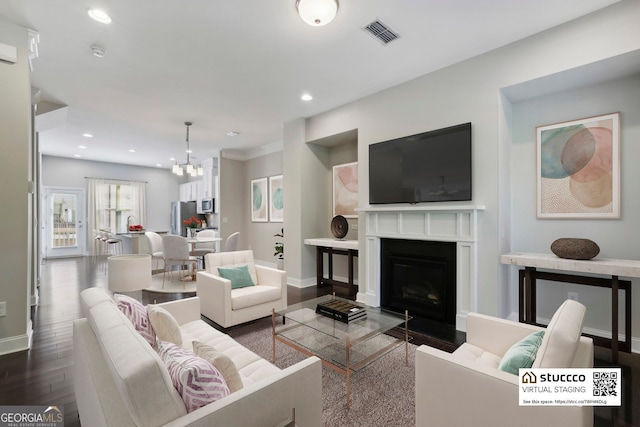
(239,276)
(221,362)
(164,324)
(197,381)
(521,354)
(137,315)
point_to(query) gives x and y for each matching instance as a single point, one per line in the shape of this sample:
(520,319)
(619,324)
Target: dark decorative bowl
(571,248)
(339,226)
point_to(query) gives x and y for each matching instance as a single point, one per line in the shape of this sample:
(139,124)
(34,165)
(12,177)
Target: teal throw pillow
(521,354)
(239,276)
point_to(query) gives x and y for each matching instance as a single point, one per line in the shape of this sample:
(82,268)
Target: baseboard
(18,342)
(304,283)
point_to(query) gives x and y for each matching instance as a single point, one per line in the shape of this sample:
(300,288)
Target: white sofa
(228,307)
(466,388)
(120,380)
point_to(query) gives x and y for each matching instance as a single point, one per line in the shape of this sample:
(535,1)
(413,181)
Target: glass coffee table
(344,347)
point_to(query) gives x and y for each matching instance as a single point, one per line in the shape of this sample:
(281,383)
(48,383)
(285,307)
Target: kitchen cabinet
(207,178)
(190,191)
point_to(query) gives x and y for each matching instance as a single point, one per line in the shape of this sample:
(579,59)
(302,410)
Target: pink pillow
(137,314)
(197,381)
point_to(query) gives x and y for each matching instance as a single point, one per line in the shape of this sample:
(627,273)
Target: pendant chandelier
(188,168)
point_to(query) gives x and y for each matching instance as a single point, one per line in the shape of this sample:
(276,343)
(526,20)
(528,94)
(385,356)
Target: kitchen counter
(133,242)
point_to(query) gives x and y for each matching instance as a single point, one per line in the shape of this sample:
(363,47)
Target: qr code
(605,383)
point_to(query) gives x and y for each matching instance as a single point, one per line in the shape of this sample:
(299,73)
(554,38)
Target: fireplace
(455,224)
(419,276)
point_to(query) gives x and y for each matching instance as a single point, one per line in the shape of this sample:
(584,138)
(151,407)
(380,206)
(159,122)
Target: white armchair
(466,387)
(228,307)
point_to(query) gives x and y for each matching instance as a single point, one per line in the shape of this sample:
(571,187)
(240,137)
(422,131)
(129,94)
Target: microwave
(206,205)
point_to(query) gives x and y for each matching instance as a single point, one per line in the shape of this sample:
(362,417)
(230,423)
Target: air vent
(381,32)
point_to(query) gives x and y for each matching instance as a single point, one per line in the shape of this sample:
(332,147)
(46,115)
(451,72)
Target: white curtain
(102,204)
(139,201)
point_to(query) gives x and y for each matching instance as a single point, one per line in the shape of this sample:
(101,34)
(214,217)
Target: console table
(609,267)
(335,247)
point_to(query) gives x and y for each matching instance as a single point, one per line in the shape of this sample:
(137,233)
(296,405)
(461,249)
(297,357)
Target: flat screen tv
(432,166)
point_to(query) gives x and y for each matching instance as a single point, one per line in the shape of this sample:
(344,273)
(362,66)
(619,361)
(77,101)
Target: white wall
(617,238)
(471,91)
(162,186)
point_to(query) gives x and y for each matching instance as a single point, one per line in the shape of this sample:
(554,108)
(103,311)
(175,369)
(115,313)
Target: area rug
(382,393)
(170,286)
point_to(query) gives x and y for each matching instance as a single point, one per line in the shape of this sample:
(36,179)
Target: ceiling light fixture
(317,12)
(87,135)
(306,97)
(99,15)
(98,52)
(187,167)
(233,133)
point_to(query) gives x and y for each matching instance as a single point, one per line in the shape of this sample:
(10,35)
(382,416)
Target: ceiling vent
(381,32)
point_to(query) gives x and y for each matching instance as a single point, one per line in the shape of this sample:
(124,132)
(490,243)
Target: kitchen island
(134,242)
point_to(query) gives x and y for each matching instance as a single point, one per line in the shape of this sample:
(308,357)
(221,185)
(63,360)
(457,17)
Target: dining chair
(154,244)
(176,253)
(232,242)
(202,248)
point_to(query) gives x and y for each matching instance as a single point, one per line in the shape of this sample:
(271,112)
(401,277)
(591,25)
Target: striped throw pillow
(197,381)
(137,314)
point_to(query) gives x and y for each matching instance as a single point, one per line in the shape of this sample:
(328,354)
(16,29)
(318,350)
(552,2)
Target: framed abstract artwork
(345,190)
(276,199)
(578,168)
(259,200)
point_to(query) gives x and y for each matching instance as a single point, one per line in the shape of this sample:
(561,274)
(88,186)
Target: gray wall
(471,91)
(616,238)
(15,214)
(233,203)
(162,186)
(260,234)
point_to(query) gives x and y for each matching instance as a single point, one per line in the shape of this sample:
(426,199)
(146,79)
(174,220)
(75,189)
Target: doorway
(64,219)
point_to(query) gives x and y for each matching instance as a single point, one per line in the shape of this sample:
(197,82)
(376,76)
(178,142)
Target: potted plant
(192,225)
(279,250)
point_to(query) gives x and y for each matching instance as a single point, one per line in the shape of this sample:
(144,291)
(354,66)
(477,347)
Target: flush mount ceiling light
(306,97)
(99,15)
(317,12)
(187,167)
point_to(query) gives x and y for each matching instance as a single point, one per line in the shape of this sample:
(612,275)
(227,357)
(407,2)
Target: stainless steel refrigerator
(179,212)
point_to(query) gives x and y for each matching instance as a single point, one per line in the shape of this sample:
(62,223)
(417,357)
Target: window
(113,205)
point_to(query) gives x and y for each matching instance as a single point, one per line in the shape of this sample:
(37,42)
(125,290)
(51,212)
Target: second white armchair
(220,302)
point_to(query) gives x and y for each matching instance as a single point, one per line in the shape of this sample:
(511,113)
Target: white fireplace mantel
(445,223)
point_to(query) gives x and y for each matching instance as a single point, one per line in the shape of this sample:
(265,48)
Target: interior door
(64,222)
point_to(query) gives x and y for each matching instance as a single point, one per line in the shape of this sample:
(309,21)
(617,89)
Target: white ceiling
(241,65)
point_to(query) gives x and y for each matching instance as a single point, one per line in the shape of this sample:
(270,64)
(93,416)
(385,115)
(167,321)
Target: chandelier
(188,168)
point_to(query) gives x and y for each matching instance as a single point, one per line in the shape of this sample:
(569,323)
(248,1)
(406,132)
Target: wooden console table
(335,247)
(609,267)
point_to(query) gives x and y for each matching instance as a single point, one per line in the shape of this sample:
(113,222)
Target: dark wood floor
(42,375)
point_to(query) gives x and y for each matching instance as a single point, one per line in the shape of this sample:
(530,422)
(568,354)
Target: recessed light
(82,146)
(158,165)
(172,159)
(306,97)
(77,155)
(87,135)
(132,150)
(98,52)
(233,133)
(99,15)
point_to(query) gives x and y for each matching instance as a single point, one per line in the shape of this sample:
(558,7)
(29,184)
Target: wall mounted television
(433,166)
